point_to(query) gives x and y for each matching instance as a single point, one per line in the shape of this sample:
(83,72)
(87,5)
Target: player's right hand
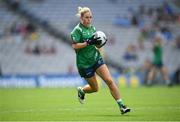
(93,40)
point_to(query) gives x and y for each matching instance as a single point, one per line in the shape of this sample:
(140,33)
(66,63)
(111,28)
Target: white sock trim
(119,100)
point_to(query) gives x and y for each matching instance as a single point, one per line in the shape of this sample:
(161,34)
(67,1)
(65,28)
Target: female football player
(157,63)
(89,61)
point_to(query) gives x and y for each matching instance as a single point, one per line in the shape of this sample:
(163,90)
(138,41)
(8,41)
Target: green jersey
(157,54)
(89,55)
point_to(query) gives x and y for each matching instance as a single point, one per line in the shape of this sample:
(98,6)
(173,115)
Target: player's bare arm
(79,45)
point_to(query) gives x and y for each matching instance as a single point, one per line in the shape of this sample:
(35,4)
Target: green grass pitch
(61,104)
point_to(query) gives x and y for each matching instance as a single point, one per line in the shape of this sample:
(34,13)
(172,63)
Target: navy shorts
(158,65)
(89,72)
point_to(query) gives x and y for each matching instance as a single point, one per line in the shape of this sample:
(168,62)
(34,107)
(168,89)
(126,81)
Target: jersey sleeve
(76,36)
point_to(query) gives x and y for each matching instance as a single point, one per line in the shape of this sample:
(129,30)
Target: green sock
(82,92)
(120,102)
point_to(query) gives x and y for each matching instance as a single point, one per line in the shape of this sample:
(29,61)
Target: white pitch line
(84,109)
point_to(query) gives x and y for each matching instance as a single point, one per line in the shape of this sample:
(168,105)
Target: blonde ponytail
(82,10)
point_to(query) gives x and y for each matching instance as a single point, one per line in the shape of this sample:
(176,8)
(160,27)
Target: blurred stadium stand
(54,20)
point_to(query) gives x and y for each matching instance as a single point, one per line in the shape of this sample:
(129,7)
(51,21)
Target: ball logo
(103,38)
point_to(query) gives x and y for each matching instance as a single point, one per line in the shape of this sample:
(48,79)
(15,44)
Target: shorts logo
(99,62)
(88,73)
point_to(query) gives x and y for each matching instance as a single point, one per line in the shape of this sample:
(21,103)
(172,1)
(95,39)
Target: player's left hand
(94,40)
